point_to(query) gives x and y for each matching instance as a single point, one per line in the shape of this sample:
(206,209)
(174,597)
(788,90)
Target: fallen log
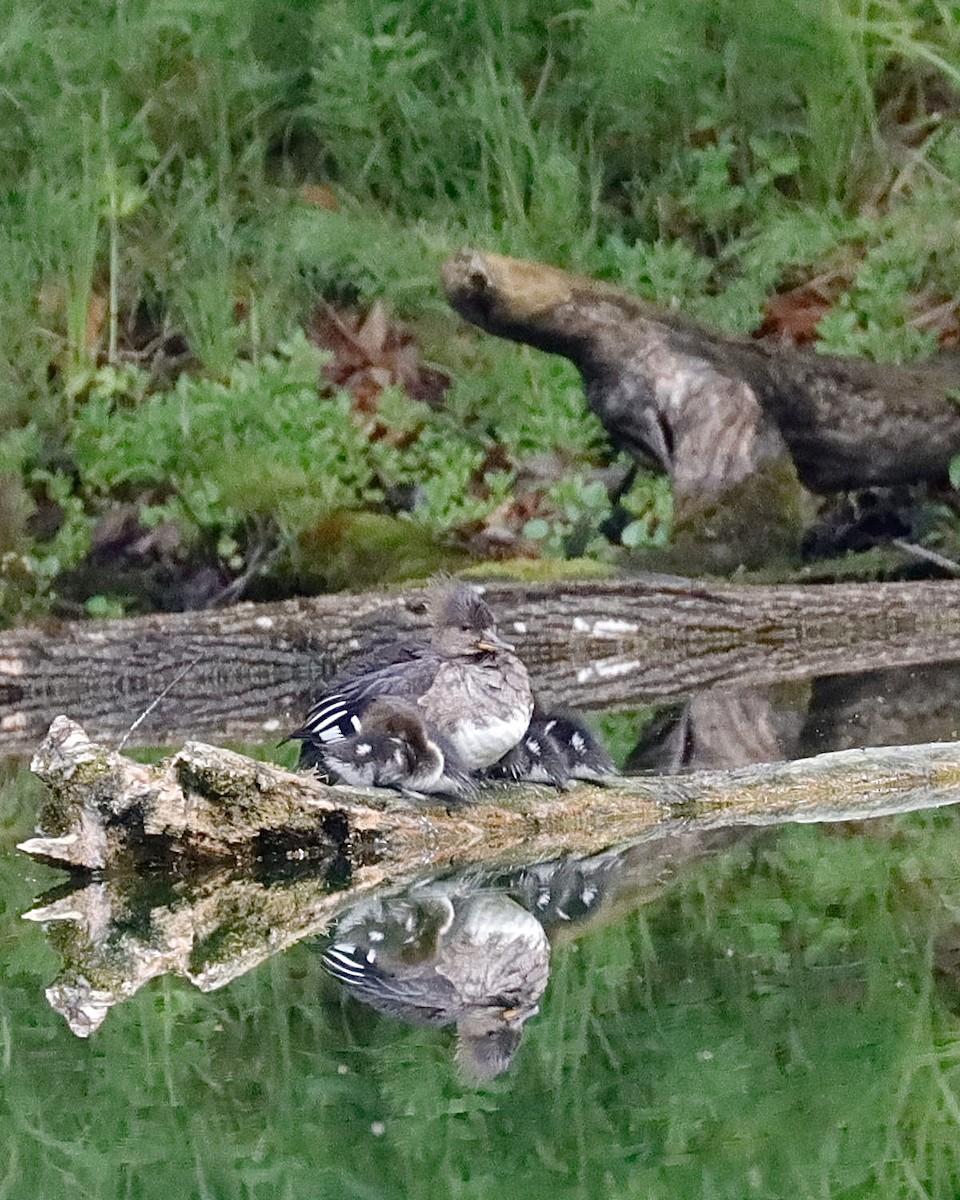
(215,814)
(205,804)
(247,673)
(737,423)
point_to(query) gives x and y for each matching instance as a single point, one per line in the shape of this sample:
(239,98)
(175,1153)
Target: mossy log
(207,804)
(253,844)
(739,424)
(247,673)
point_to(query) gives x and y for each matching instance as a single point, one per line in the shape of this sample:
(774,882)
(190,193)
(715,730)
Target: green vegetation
(773,1025)
(185,184)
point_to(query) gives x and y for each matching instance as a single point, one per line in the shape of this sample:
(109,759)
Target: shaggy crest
(455,605)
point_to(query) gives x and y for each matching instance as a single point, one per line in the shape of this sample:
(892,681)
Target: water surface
(767,1013)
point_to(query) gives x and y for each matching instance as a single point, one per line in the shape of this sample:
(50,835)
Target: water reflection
(444,954)
(732,727)
(728,1013)
(896,707)
(470,950)
(718,729)
(474,950)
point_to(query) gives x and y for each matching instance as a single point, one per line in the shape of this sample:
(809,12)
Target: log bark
(736,422)
(252,669)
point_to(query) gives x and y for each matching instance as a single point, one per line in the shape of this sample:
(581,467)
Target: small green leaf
(104,606)
(635,534)
(536,529)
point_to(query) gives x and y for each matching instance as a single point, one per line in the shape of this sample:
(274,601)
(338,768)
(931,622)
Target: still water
(743,1013)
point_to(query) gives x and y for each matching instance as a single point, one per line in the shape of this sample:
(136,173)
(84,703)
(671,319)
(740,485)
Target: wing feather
(338,714)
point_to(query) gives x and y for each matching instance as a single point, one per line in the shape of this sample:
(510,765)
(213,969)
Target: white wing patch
(331,720)
(340,962)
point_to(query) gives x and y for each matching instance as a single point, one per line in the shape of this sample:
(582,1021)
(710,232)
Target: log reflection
(469,949)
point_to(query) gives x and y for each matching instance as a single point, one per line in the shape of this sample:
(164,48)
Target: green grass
(154,157)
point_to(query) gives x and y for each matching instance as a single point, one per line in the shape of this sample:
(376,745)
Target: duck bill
(517,1016)
(491,641)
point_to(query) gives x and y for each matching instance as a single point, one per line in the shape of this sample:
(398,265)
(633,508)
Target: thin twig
(260,559)
(930,556)
(156,700)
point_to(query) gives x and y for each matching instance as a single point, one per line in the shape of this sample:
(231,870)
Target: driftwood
(737,423)
(247,673)
(206,804)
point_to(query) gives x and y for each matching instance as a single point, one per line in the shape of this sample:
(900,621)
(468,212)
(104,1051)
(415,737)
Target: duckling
(395,749)
(556,749)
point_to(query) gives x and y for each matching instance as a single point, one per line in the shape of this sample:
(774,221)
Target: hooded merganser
(441,954)
(556,749)
(584,754)
(536,758)
(463,678)
(395,750)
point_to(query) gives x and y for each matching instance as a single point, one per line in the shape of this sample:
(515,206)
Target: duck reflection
(474,951)
(445,954)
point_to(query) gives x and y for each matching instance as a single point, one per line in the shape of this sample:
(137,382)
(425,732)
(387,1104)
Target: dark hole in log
(148,852)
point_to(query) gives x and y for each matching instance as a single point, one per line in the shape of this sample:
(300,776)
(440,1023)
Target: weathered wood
(204,803)
(115,935)
(727,417)
(207,803)
(658,379)
(603,643)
